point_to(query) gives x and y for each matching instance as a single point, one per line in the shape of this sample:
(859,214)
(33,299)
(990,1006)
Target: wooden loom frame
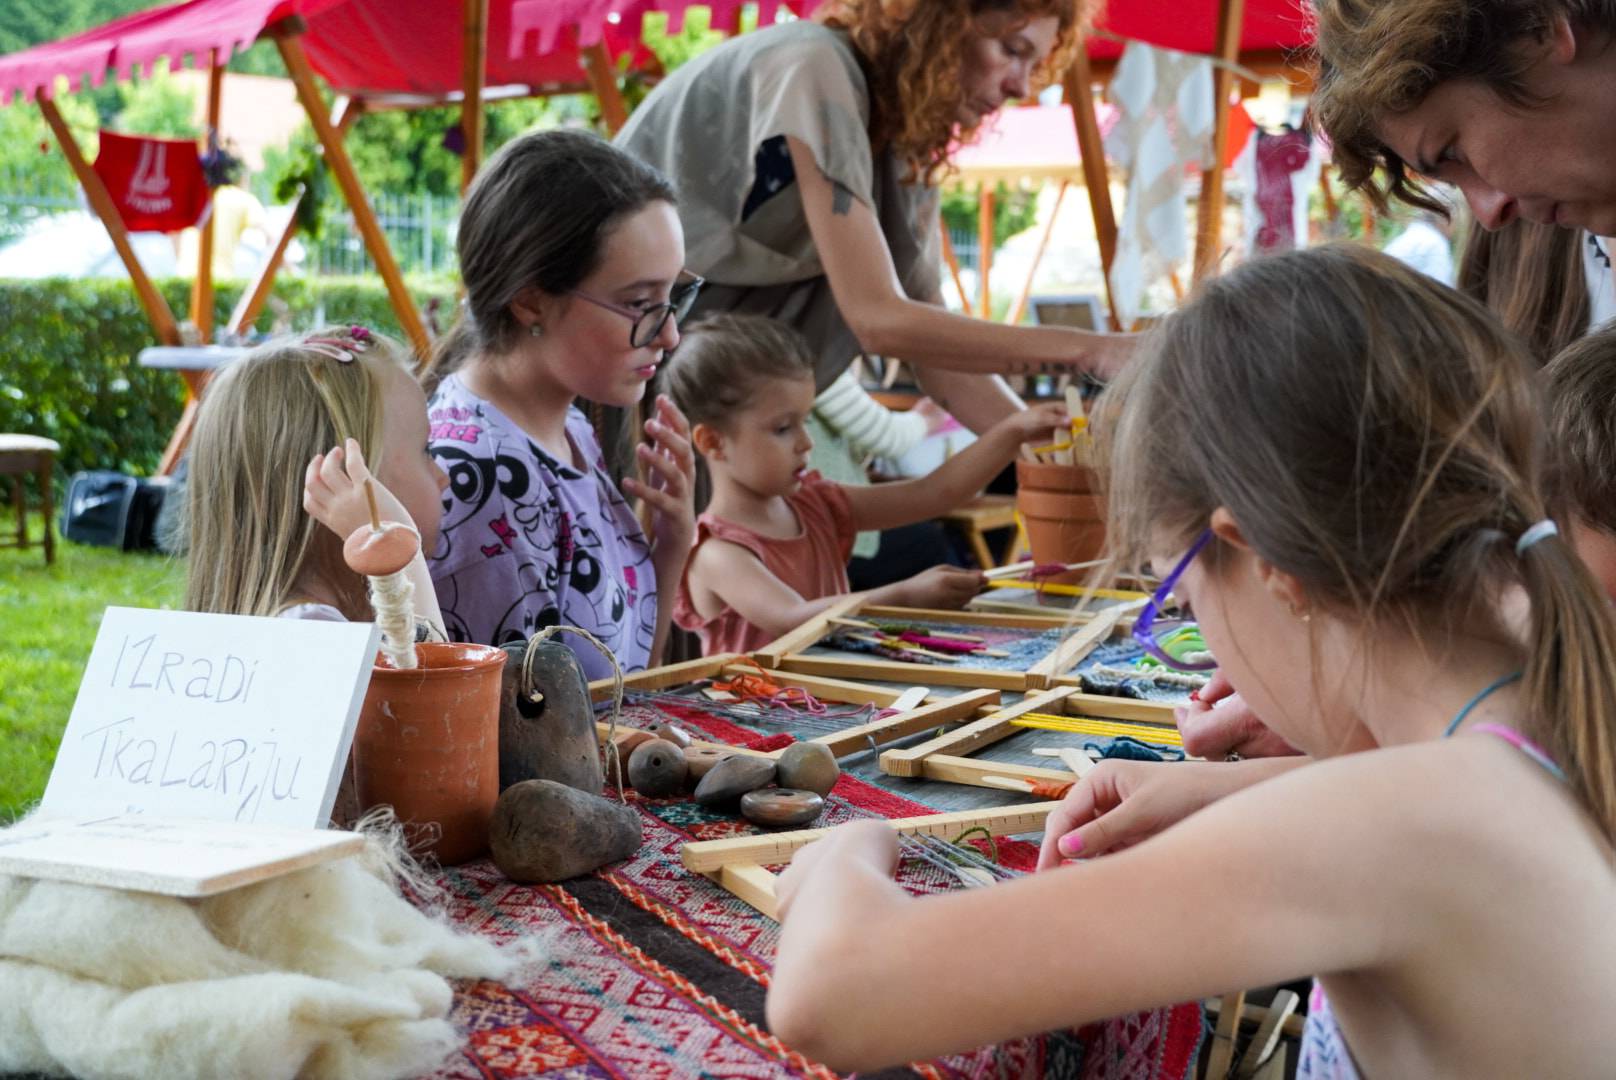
(784,654)
(945,757)
(739,863)
(937,710)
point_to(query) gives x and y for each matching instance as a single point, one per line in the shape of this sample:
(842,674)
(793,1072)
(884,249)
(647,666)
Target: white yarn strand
(393,597)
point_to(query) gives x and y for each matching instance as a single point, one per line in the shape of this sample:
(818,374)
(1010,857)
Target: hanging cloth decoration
(157,184)
(1282,171)
(1164,128)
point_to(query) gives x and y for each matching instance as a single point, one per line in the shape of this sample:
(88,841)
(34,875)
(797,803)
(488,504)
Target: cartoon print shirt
(528,541)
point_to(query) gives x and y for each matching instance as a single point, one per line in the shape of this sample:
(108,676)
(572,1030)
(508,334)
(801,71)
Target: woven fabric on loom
(1026,647)
(1125,654)
(657,972)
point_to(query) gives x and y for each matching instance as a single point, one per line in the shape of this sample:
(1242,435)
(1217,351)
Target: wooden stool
(981,515)
(19,456)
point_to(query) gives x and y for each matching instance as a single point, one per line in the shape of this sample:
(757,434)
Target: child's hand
(334,491)
(1121,803)
(668,468)
(1217,722)
(1048,422)
(942,587)
(937,418)
(871,842)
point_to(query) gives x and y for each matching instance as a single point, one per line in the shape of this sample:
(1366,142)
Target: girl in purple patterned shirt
(572,258)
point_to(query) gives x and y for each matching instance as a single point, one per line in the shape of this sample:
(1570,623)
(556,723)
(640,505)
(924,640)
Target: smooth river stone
(781,806)
(808,766)
(734,777)
(657,769)
(701,760)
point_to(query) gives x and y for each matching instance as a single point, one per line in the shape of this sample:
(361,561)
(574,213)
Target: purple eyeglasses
(1156,638)
(648,322)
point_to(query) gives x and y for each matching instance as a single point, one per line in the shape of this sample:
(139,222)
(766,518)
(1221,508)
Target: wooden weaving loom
(1082,632)
(740,864)
(935,711)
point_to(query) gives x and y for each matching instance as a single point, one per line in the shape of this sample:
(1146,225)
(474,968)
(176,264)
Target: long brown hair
(263,419)
(915,51)
(538,214)
(1376,436)
(1531,276)
(1380,57)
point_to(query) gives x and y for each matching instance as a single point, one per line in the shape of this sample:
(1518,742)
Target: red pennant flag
(157,184)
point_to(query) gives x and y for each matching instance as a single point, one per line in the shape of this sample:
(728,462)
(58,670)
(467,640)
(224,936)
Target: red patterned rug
(657,972)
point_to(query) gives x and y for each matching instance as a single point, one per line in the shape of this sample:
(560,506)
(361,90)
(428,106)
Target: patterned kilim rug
(657,972)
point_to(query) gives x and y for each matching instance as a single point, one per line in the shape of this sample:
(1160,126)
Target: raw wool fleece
(327,972)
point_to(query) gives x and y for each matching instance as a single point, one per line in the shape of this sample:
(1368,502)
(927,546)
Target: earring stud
(535,330)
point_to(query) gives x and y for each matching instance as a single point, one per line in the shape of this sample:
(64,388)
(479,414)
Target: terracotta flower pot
(427,745)
(1063,513)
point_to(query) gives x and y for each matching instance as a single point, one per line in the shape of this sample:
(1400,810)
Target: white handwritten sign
(212,717)
(164,855)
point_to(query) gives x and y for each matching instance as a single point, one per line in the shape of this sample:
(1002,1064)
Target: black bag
(109,509)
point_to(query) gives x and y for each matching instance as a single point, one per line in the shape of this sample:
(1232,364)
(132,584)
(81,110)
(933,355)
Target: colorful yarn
(951,646)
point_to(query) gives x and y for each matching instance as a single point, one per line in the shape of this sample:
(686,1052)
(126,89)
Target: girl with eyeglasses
(572,258)
(1333,462)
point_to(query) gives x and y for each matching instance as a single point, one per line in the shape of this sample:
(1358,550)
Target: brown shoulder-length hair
(914,51)
(1382,57)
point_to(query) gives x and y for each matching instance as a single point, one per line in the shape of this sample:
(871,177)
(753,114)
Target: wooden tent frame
(330,131)
(784,654)
(946,757)
(937,710)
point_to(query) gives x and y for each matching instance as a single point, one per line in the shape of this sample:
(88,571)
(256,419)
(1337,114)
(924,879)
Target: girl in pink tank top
(772,548)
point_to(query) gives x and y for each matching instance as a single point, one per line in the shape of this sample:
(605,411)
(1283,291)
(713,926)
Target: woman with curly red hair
(806,156)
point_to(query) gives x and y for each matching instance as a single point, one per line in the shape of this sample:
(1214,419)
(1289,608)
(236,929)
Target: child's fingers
(334,470)
(668,476)
(358,471)
(671,442)
(669,414)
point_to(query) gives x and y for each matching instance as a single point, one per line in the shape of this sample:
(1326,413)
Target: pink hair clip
(343,350)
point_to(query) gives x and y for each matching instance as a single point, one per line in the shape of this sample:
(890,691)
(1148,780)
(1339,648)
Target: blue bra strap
(1501,681)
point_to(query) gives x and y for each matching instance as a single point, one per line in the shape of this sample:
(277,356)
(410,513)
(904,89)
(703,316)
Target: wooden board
(171,856)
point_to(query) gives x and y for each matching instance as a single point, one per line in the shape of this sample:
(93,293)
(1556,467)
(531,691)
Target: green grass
(48,621)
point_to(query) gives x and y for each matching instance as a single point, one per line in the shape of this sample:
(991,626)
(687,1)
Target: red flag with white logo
(157,184)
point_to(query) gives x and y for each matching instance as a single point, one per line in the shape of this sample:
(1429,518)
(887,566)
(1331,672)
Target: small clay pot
(427,744)
(544,832)
(657,769)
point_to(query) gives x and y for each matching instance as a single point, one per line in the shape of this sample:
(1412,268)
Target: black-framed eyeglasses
(647,323)
(1175,642)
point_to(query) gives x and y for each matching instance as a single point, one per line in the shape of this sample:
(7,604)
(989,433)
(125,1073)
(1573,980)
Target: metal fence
(420,229)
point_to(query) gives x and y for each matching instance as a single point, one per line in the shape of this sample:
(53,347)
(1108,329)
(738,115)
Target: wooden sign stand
(1088,630)
(739,863)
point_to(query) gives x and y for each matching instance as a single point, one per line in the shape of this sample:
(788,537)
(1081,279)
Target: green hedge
(68,347)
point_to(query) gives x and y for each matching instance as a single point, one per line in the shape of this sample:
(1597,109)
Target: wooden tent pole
(473,59)
(202,283)
(984,243)
(336,158)
(603,80)
(157,309)
(1079,89)
(252,301)
(1020,307)
(953,264)
(1209,232)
